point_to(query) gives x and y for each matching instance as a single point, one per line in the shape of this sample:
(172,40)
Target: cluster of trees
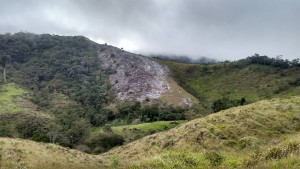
(67,130)
(149,113)
(134,111)
(265,60)
(225,103)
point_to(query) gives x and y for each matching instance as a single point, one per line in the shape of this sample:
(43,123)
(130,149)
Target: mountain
(133,77)
(59,88)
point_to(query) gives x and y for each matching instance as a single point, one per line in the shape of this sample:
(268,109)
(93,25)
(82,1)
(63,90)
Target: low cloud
(231,29)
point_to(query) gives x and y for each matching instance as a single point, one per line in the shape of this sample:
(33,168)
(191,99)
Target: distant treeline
(255,59)
(265,60)
(185,59)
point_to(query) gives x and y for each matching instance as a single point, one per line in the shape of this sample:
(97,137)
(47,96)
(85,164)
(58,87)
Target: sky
(220,29)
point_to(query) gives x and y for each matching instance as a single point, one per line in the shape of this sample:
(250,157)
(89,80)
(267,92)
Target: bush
(102,142)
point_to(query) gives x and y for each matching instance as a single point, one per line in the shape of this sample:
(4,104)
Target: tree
(4,58)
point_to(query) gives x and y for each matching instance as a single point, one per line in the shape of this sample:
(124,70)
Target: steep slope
(70,65)
(18,153)
(136,77)
(234,133)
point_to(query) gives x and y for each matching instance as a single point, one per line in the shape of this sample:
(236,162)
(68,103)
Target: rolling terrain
(264,134)
(68,102)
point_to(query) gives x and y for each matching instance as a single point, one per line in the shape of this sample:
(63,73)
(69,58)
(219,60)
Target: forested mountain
(71,81)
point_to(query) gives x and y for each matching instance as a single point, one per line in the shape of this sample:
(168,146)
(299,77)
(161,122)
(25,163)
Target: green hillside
(19,153)
(264,134)
(230,82)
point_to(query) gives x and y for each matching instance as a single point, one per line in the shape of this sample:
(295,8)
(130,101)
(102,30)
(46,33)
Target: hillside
(102,100)
(58,88)
(230,82)
(259,135)
(264,134)
(18,153)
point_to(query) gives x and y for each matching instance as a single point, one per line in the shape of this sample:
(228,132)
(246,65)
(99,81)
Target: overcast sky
(221,29)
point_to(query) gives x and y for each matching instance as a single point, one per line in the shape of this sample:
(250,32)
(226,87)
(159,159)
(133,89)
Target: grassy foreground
(18,153)
(265,134)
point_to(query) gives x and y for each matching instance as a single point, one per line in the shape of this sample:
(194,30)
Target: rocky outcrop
(135,77)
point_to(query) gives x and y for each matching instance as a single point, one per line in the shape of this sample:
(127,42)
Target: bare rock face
(134,77)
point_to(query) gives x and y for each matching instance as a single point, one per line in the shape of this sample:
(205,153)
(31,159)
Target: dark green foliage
(24,126)
(104,141)
(150,112)
(225,103)
(65,79)
(46,63)
(265,60)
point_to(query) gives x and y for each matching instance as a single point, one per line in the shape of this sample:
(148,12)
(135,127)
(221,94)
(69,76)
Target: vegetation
(54,91)
(57,92)
(19,153)
(136,131)
(225,84)
(264,134)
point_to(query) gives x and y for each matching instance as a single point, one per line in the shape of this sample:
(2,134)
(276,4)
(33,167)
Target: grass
(239,137)
(253,82)
(136,131)
(148,127)
(19,153)
(176,95)
(8,97)
(15,100)
(265,134)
